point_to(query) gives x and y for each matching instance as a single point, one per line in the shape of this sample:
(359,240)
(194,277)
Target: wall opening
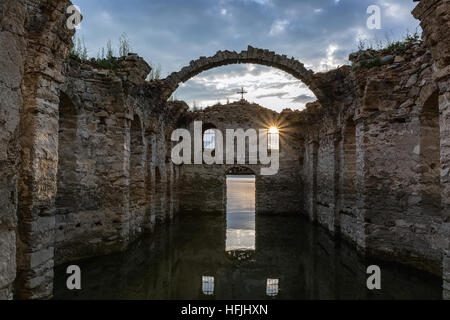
(273,139)
(349,168)
(159,196)
(430,156)
(68,180)
(209,139)
(137,170)
(169,191)
(310,195)
(338,146)
(149,183)
(73,195)
(258,71)
(149,161)
(240,211)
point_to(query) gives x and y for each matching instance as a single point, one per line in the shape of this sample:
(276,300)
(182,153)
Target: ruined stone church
(85,151)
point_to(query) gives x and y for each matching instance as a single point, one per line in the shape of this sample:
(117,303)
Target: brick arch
(251,55)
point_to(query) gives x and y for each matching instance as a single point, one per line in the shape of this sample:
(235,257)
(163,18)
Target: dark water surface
(241,256)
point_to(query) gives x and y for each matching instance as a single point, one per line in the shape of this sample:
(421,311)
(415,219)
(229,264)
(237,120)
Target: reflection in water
(265,257)
(272,287)
(208,285)
(240,213)
(307,262)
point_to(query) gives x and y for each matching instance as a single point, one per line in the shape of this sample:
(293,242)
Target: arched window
(67,196)
(209,139)
(273,139)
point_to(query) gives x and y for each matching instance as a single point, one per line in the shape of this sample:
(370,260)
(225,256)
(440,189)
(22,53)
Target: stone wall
(115,180)
(370,164)
(373,157)
(33,48)
(434,16)
(12,42)
(47,46)
(85,152)
(76,147)
(401,166)
(205,185)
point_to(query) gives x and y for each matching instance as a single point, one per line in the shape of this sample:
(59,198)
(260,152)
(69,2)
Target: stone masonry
(275,194)
(114,154)
(434,16)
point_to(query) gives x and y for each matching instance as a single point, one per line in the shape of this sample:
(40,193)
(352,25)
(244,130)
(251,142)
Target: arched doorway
(72,195)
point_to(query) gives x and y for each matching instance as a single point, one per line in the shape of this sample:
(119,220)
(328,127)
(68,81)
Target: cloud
(303,98)
(106,17)
(395,10)
(172,33)
(331,61)
(284,84)
(278,26)
(266,86)
(270,95)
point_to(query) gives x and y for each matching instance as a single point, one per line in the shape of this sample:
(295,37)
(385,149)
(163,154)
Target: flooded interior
(241,255)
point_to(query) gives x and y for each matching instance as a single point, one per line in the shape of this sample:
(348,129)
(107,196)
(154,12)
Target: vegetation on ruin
(107,57)
(155,74)
(388,45)
(374,53)
(79,49)
(195,107)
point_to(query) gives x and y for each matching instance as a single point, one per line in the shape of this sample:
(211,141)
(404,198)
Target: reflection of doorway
(240,213)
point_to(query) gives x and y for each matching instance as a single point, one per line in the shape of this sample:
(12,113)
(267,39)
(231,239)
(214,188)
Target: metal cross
(242,92)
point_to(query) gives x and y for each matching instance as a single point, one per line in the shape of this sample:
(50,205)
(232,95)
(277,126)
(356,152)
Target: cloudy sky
(171,33)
